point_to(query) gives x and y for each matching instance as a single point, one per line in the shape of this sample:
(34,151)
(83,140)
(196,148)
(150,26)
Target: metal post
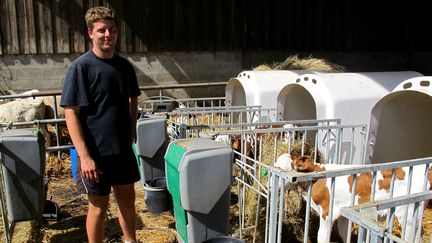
(182,132)
(6,227)
(308,208)
(56,126)
(274,179)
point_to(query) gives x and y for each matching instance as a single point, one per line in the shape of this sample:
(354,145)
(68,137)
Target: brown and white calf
(237,143)
(363,191)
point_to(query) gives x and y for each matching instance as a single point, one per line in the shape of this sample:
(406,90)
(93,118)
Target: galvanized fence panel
(190,122)
(373,231)
(332,177)
(255,178)
(260,168)
(162,103)
(253,170)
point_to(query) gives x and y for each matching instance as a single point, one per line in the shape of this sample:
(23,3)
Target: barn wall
(57,26)
(23,72)
(183,41)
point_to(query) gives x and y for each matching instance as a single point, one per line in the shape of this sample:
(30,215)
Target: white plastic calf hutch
(400,124)
(251,88)
(346,96)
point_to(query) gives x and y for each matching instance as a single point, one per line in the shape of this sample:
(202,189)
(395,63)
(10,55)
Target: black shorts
(121,169)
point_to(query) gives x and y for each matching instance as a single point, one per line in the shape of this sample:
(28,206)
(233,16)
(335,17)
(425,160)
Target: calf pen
(276,206)
(262,212)
(251,179)
(257,200)
(23,179)
(252,172)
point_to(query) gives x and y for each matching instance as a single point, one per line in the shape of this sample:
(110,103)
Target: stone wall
(44,72)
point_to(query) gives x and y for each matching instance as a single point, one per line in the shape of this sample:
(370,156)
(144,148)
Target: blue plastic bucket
(73,158)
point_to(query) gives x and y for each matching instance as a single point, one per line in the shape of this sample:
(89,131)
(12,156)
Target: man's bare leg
(96,216)
(125,197)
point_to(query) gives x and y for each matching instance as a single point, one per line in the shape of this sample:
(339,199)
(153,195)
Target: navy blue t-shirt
(101,88)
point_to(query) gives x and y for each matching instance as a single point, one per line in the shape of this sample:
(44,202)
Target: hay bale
(59,168)
(427,225)
(156,235)
(262,67)
(309,63)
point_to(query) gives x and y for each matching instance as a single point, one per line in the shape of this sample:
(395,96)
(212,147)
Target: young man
(100,99)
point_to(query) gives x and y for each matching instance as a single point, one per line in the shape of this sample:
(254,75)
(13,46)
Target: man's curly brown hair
(94,14)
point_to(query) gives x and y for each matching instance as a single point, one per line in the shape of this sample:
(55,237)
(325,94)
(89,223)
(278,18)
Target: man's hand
(89,170)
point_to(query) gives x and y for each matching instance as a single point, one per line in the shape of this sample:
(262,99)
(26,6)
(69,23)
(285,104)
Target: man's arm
(133,112)
(88,166)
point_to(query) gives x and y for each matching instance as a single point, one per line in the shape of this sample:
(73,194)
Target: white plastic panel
(400,124)
(259,88)
(346,96)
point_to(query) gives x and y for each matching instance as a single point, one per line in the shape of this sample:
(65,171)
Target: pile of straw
(294,62)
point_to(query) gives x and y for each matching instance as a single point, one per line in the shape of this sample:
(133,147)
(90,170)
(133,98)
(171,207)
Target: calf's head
(305,164)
